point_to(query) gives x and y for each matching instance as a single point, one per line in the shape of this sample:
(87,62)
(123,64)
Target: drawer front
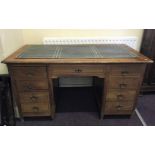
(40,108)
(32,114)
(126,69)
(76,69)
(32,85)
(120,82)
(125,107)
(25,73)
(34,98)
(118,95)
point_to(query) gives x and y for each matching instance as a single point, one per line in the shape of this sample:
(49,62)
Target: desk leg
(101,115)
(52,99)
(98,86)
(22,119)
(53,111)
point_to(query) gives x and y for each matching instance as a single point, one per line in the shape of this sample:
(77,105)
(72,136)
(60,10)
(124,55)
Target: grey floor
(81,119)
(146,107)
(72,112)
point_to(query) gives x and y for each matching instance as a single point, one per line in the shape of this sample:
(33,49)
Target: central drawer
(76,69)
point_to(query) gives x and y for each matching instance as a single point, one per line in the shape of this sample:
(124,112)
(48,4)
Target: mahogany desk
(33,67)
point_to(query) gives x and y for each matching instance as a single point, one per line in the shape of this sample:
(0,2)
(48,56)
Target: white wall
(35,36)
(10,40)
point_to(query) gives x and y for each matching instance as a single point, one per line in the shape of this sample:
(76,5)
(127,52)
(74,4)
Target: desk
(33,67)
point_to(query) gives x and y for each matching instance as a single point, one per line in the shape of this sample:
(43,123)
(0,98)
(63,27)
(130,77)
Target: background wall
(32,36)
(11,40)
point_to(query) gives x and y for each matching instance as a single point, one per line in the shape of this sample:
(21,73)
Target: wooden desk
(33,67)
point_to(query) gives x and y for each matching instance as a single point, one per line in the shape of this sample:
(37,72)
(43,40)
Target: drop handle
(119,107)
(124,72)
(122,85)
(35,109)
(33,98)
(78,70)
(120,97)
(29,87)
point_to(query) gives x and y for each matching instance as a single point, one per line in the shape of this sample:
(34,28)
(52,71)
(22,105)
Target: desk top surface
(107,53)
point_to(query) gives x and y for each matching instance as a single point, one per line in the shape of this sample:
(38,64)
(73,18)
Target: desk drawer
(120,95)
(32,85)
(119,82)
(125,107)
(76,69)
(126,69)
(25,73)
(40,108)
(34,98)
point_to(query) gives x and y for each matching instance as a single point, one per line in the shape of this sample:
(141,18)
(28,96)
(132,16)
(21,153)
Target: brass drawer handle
(30,74)
(33,99)
(78,70)
(35,109)
(29,87)
(124,72)
(119,107)
(123,85)
(120,97)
